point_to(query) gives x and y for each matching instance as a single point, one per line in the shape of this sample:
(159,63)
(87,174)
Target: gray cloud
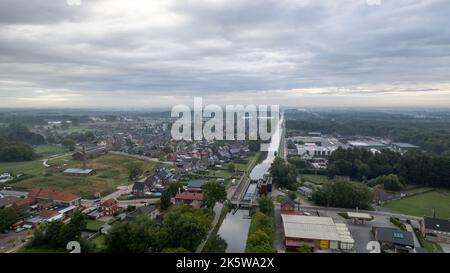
(198,47)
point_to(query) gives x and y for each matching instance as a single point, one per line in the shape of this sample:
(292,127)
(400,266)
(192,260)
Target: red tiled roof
(22,203)
(53,195)
(48,213)
(189,196)
(291,212)
(110,202)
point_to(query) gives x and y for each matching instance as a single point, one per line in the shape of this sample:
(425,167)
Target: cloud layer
(138,53)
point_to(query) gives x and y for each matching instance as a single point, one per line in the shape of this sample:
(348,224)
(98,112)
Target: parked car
(20,229)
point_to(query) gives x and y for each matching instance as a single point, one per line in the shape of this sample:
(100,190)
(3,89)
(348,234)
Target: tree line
(414,167)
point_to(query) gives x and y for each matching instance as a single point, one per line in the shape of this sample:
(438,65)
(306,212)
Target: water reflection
(262,168)
(234,231)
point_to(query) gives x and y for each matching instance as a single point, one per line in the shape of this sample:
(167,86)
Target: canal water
(262,168)
(234,231)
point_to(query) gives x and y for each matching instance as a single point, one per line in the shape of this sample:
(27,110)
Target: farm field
(423,204)
(111,172)
(49,150)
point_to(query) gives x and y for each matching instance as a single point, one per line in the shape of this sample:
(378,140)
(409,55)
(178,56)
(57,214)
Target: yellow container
(324,244)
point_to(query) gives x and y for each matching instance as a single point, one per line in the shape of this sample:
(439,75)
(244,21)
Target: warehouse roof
(78,171)
(309,227)
(358,215)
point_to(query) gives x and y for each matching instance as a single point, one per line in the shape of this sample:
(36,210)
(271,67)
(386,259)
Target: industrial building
(320,233)
(79,172)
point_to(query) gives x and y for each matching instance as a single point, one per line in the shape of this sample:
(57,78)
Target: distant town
(118,182)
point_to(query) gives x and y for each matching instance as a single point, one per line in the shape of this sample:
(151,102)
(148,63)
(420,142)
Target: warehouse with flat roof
(316,232)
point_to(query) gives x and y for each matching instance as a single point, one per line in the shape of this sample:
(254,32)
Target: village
(158,165)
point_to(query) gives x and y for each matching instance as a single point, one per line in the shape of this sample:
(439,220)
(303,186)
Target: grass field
(34,167)
(99,242)
(111,172)
(94,225)
(423,204)
(49,150)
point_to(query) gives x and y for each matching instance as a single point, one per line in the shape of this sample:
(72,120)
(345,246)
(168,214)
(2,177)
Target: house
(289,207)
(60,198)
(23,203)
(193,199)
(50,215)
(394,240)
(140,188)
(195,185)
(79,172)
(436,230)
(109,207)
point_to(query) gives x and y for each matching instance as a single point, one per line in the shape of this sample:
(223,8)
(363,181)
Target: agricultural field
(49,150)
(423,204)
(316,179)
(111,172)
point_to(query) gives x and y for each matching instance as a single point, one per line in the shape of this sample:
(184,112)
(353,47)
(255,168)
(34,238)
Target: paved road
(380,213)
(12,241)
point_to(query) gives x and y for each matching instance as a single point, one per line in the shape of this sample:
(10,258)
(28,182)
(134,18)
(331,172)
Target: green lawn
(423,204)
(94,225)
(34,167)
(49,150)
(99,242)
(111,172)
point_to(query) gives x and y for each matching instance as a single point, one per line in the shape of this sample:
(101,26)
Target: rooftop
(78,171)
(309,227)
(437,224)
(189,196)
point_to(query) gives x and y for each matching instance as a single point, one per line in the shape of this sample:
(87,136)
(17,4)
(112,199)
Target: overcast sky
(142,53)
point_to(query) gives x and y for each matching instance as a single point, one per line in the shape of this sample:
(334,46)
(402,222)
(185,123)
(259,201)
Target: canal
(262,168)
(234,229)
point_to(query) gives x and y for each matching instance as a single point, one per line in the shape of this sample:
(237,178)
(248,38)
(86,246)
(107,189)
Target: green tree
(8,216)
(304,249)
(284,174)
(266,205)
(175,250)
(185,227)
(137,236)
(344,194)
(231,167)
(134,170)
(174,187)
(390,182)
(165,200)
(213,192)
(259,242)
